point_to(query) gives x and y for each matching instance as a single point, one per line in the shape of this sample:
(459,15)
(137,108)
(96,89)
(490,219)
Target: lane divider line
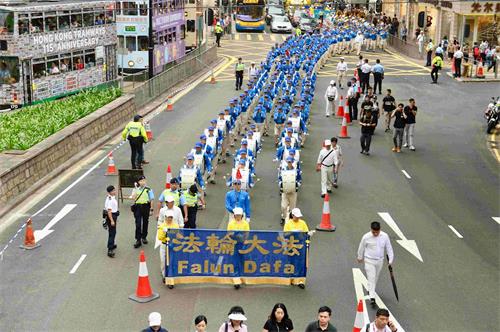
(456,232)
(77,265)
(406,174)
(497,219)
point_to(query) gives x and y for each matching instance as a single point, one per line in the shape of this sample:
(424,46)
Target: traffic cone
(149,132)
(326,225)
(29,237)
(212,78)
(359,323)
(343,129)
(340,109)
(168,178)
(453,65)
(143,293)
(346,113)
(480,70)
(111,166)
(170,106)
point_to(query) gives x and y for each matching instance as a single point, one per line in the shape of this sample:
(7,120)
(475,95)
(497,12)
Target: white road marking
(77,265)
(40,234)
(249,37)
(409,245)
(261,38)
(273,38)
(497,219)
(456,232)
(406,174)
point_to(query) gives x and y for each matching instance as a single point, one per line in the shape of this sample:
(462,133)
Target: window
(9,71)
(130,43)
(143,9)
(88,18)
(99,16)
(190,24)
(129,8)
(118,8)
(6,21)
(143,43)
(89,58)
(110,15)
(24,24)
(76,19)
(53,65)
(78,63)
(183,32)
(36,23)
(39,68)
(65,63)
(50,21)
(64,20)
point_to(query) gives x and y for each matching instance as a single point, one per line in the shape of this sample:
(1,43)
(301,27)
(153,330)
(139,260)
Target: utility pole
(151,44)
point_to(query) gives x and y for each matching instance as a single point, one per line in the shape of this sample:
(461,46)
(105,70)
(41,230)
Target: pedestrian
(437,64)
(330,96)
(191,206)
(351,100)
(411,113)
(368,123)
(289,181)
(323,323)
(440,51)
(365,75)
(381,322)
(371,252)
(326,161)
(239,70)
(253,71)
(155,323)
(136,135)
(357,94)
(170,206)
(378,76)
(457,58)
(429,49)
(359,39)
(168,222)
(236,317)
(218,33)
(389,105)
(399,125)
(295,223)
(111,214)
(341,72)
(278,320)
(420,42)
(142,196)
(200,323)
(238,198)
(338,160)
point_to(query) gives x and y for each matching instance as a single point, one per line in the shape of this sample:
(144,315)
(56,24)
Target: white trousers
(288,200)
(163,248)
(326,179)
(341,78)
(372,269)
(330,107)
(358,48)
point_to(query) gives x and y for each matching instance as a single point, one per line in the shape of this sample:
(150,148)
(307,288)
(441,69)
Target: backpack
(476,51)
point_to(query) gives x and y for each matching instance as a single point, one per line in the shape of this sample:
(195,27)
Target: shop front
(478,21)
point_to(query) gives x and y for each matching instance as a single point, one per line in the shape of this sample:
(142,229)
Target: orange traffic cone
(111,166)
(149,132)
(346,113)
(212,78)
(453,65)
(343,129)
(29,237)
(143,293)
(326,225)
(359,323)
(480,71)
(340,109)
(170,106)
(168,178)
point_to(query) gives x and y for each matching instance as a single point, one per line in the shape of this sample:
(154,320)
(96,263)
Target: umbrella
(391,272)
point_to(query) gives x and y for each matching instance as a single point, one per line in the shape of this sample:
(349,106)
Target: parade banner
(228,257)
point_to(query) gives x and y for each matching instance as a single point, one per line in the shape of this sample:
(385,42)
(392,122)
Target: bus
(250,15)
(132,20)
(52,49)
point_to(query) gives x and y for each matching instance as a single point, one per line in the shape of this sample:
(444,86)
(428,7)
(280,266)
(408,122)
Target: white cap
(237,316)
(332,82)
(296,212)
(238,211)
(169,213)
(327,142)
(169,199)
(154,319)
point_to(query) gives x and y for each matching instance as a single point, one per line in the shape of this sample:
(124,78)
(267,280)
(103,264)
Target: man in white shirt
(327,160)
(457,56)
(365,76)
(111,214)
(371,251)
(381,322)
(359,42)
(252,71)
(341,72)
(169,200)
(330,96)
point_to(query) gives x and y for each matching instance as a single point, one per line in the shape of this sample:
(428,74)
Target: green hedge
(30,125)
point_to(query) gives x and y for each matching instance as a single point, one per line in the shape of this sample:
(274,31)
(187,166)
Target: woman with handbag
(111,214)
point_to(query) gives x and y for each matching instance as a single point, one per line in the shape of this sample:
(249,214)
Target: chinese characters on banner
(205,255)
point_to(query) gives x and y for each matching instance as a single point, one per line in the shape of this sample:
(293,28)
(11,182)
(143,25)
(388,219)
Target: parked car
(281,24)
(275,2)
(274,11)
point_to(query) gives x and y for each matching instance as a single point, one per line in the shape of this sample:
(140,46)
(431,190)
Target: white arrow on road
(409,245)
(40,234)
(360,282)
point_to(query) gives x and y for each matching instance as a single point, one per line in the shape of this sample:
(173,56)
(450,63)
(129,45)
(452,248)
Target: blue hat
(289,159)
(242,161)
(237,182)
(211,128)
(288,139)
(213,121)
(198,145)
(227,109)
(291,151)
(289,122)
(190,157)
(244,142)
(203,136)
(250,132)
(289,129)
(221,113)
(243,151)
(242,95)
(252,125)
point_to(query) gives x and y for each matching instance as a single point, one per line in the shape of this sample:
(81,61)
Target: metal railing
(180,70)
(408,48)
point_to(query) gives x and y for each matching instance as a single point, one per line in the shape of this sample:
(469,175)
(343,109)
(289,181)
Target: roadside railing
(408,48)
(182,69)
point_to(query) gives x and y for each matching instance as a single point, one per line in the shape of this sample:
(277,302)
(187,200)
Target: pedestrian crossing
(261,37)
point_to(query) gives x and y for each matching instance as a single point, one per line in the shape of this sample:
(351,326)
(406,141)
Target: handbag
(331,98)
(133,207)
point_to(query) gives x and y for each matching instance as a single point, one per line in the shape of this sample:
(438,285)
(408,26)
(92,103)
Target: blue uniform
(239,199)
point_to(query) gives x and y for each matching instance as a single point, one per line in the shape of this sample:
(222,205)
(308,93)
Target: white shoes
(405,145)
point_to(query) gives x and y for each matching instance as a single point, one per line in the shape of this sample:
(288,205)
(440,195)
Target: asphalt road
(454,181)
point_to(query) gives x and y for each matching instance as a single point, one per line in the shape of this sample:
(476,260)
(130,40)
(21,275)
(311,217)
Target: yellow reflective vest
(134,129)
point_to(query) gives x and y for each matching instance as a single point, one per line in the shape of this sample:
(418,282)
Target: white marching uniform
(341,73)
(188,177)
(289,188)
(371,250)
(245,176)
(331,92)
(327,159)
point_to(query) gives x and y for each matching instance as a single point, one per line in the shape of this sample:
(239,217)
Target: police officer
(289,182)
(218,33)
(112,213)
(179,199)
(142,196)
(135,132)
(239,71)
(191,206)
